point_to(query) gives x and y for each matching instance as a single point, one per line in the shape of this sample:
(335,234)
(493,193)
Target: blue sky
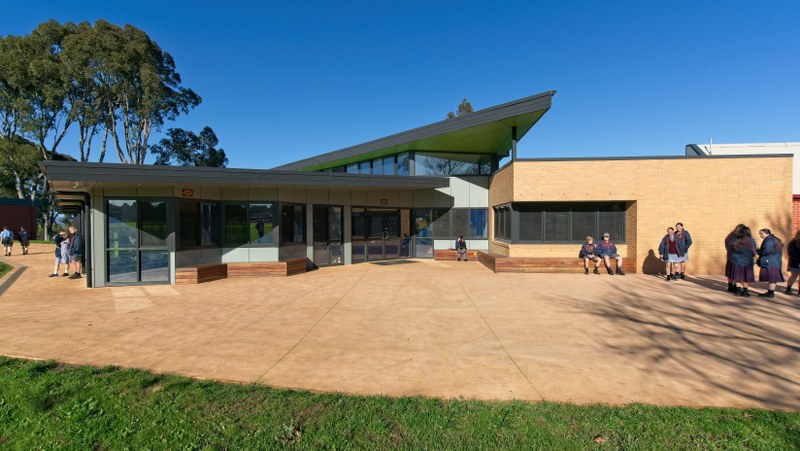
(285,81)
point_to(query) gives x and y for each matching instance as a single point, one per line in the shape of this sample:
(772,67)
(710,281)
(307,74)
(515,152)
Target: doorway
(380,234)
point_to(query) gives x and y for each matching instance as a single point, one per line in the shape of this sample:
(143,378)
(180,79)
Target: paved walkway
(441,329)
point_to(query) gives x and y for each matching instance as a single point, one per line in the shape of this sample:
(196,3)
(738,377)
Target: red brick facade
(795,213)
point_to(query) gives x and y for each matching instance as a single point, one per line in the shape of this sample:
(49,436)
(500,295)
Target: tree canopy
(463,108)
(184,148)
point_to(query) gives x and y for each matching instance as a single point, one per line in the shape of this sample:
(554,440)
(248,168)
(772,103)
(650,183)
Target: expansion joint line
(311,329)
(499,341)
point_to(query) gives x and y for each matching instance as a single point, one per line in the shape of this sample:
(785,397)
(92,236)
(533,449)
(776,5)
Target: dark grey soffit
(68,171)
(526,105)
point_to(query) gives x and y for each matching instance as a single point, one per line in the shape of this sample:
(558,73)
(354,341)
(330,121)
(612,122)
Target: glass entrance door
(328,235)
(383,234)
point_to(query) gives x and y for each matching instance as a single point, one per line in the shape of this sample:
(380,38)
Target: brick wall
(709,195)
(795,214)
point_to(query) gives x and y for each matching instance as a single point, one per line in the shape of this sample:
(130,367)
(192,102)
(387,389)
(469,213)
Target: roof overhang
(486,131)
(68,179)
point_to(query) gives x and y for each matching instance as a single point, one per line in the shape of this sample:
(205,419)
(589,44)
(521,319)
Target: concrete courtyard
(439,329)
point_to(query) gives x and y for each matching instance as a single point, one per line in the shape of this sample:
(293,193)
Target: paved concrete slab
(441,329)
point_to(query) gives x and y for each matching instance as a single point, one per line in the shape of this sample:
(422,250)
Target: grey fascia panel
(653,157)
(58,171)
(537,102)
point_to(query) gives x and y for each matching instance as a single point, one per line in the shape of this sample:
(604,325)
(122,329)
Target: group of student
(597,253)
(69,251)
(7,239)
(674,251)
(743,253)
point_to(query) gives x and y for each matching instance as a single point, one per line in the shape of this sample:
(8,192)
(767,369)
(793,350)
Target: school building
(410,195)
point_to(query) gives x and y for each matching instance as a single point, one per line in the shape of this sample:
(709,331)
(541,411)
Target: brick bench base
(215,271)
(452,254)
(501,263)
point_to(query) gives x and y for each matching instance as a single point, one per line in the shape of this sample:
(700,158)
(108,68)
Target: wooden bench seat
(201,273)
(452,254)
(216,271)
(284,268)
(501,263)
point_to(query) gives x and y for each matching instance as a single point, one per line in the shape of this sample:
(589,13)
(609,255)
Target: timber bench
(201,273)
(452,254)
(215,271)
(501,263)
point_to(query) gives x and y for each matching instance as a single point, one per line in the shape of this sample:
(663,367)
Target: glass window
(441,223)
(570,222)
(153,223)
(363,167)
(477,224)
(352,168)
(155,266)
(530,223)
(459,223)
(320,225)
(335,223)
(423,247)
(423,220)
(556,224)
(299,223)
(402,163)
(388,165)
(122,266)
(358,226)
(122,224)
(209,224)
(293,222)
(440,163)
(583,222)
(339,169)
(611,219)
(234,224)
(262,222)
(377,166)
(188,224)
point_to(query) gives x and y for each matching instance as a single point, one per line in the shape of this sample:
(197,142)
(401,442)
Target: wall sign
(384,201)
(186,192)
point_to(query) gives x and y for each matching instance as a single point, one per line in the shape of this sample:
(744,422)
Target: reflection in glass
(402,163)
(262,222)
(556,225)
(155,266)
(153,223)
(188,224)
(377,166)
(122,266)
(363,167)
(352,168)
(388,165)
(477,224)
(122,224)
(358,226)
(583,223)
(358,251)
(235,224)
(423,248)
(209,224)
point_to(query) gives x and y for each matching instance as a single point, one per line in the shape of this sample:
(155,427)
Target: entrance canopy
(487,131)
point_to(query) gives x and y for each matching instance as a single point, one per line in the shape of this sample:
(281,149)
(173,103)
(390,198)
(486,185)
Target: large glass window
(502,223)
(449,223)
(234,224)
(136,244)
(262,221)
(363,167)
(402,163)
(210,224)
(569,222)
(293,223)
(122,224)
(377,166)
(432,163)
(188,224)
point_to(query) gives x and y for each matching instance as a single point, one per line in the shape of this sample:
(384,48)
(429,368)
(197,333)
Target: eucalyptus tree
(184,148)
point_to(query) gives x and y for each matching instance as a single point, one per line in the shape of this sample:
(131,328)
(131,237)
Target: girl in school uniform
(742,259)
(770,260)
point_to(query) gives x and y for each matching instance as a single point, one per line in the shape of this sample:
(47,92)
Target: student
(461,248)
(744,250)
(65,242)
(24,240)
(76,251)
(7,238)
(729,251)
(770,259)
(607,250)
(683,237)
(588,252)
(59,238)
(793,249)
(669,253)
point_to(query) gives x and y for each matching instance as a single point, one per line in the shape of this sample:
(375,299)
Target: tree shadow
(746,348)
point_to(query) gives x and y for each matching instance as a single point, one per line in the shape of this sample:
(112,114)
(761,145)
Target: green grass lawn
(4,268)
(44,405)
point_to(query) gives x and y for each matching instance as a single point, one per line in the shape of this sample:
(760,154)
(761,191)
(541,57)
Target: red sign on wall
(384,201)
(186,192)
